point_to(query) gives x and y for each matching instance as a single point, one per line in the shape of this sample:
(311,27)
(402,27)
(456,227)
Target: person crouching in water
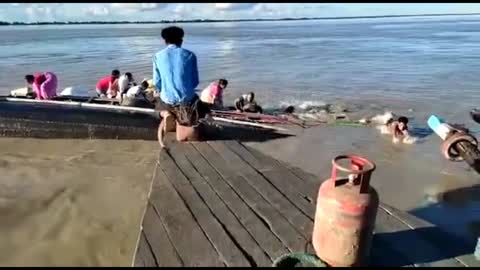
(212,95)
(44,84)
(247,103)
(398,129)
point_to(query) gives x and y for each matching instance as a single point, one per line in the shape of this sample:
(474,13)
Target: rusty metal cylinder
(452,144)
(345,215)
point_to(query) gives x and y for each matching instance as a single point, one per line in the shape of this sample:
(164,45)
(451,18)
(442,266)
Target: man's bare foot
(163,147)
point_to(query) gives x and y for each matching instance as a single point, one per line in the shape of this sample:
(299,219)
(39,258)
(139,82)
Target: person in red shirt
(106,84)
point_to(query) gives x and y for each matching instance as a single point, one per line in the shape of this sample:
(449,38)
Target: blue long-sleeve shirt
(175,74)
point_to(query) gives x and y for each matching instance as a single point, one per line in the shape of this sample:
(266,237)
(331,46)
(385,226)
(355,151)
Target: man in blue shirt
(175,76)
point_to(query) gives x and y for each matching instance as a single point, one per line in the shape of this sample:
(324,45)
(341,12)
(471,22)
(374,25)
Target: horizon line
(5,23)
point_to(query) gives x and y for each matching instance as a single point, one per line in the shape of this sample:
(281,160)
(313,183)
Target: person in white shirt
(137,91)
(125,82)
(135,96)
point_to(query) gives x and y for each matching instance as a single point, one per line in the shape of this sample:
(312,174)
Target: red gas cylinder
(345,215)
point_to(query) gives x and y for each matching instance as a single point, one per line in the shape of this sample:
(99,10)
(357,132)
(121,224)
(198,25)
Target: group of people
(175,78)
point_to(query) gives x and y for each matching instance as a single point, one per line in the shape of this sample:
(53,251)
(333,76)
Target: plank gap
(191,211)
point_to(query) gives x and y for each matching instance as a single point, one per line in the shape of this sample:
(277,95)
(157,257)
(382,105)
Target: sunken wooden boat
(97,118)
(21,117)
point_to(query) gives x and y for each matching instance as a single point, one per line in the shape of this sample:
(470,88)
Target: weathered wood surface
(224,204)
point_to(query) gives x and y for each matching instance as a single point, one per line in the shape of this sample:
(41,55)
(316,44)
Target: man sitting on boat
(107,85)
(213,94)
(247,103)
(44,84)
(175,75)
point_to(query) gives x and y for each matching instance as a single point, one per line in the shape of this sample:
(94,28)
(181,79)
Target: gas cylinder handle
(360,168)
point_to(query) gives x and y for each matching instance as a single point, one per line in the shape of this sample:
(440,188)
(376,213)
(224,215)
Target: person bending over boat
(247,103)
(175,76)
(212,95)
(125,82)
(150,92)
(105,84)
(26,91)
(44,84)
(135,96)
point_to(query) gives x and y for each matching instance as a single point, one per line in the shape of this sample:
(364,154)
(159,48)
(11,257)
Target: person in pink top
(44,84)
(213,94)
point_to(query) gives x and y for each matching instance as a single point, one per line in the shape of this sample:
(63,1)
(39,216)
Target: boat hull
(40,120)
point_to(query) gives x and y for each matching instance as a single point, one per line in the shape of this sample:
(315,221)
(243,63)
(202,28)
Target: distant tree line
(231,20)
(147,22)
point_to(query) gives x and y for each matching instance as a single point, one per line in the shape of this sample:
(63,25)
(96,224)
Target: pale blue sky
(157,11)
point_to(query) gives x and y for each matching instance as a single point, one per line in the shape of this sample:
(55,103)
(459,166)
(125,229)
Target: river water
(414,66)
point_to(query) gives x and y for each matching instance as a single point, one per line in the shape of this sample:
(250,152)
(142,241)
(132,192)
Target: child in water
(398,129)
(387,125)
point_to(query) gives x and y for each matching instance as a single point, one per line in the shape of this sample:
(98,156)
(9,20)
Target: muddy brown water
(72,202)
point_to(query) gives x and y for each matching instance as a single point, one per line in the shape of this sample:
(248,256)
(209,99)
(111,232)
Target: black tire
(470,154)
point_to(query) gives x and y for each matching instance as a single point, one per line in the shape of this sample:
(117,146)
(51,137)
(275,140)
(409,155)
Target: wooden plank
(264,163)
(407,242)
(261,164)
(305,176)
(245,242)
(296,190)
(144,256)
(278,223)
(154,231)
(301,221)
(229,252)
(307,187)
(189,240)
(250,220)
(270,163)
(457,248)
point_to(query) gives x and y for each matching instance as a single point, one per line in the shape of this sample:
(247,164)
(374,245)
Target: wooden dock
(224,204)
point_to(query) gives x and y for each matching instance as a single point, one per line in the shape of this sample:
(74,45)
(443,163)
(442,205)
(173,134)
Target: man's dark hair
(29,78)
(116,72)
(223,82)
(290,109)
(252,96)
(129,75)
(173,35)
(403,119)
(145,84)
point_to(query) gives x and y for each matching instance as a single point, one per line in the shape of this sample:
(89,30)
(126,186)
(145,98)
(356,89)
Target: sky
(31,12)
